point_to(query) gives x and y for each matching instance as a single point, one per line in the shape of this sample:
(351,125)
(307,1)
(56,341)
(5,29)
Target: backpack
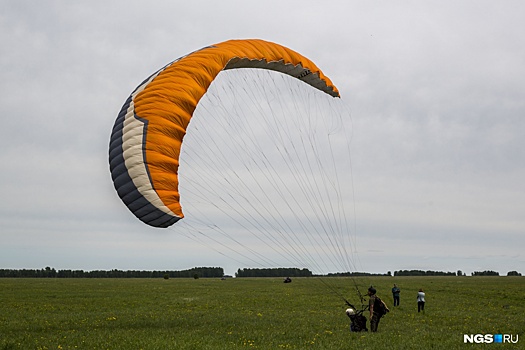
(380,307)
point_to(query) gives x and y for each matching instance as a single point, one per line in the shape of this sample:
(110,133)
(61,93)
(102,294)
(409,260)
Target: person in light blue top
(421,301)
(395,294)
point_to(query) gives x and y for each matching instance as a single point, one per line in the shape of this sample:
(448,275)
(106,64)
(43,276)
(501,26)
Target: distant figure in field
(395,294)
(287,280)
(421,301)
(357,320)
(377,308)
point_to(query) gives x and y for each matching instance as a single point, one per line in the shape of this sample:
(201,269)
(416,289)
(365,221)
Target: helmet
(350,312)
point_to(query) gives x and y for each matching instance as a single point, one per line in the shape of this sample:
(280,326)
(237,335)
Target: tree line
(423,273)
(49,272)
(458,273)
(357,274)
(204,272)
(273,272)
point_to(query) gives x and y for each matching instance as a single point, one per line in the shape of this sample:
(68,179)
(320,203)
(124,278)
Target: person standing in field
(395,294)
(377,309)
(421,301)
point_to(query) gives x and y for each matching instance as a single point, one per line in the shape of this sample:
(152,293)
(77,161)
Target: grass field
(254,313)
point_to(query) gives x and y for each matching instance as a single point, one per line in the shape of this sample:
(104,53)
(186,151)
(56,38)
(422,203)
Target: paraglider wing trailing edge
(147,136)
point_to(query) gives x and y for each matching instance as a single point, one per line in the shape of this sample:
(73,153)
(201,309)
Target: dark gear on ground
(357,320)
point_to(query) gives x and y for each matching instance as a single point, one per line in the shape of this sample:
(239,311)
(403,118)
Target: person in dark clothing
(358,321)
(377,309)
(395,294)
(374,317)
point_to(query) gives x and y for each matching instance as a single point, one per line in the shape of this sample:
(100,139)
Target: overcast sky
(436,90)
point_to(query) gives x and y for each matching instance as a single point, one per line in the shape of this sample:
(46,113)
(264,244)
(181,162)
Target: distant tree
(460,273)
(485,273)
(49,272)
(513,273)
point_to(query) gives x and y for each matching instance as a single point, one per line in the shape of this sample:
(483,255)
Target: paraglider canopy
(147,136)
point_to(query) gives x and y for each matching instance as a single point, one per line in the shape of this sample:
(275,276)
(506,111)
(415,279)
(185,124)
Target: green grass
(252,313)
